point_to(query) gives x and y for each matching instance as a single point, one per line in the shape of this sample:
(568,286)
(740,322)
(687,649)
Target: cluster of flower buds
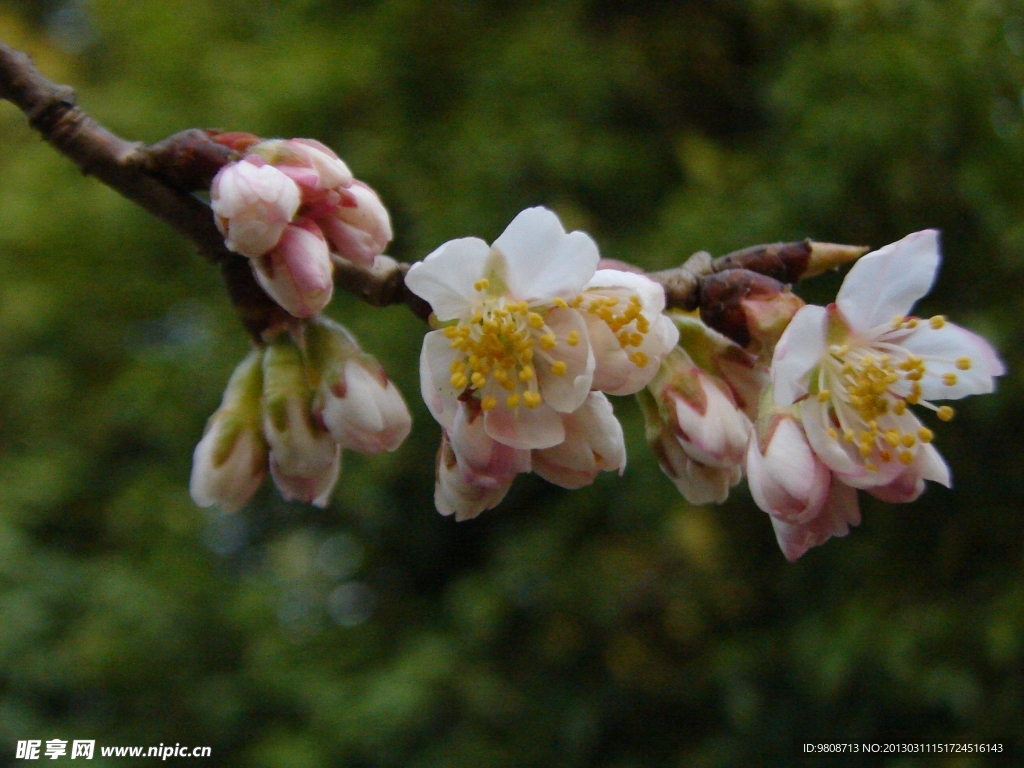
(828,392)
(290,408)
(529,335)
(287,205)
(698,410)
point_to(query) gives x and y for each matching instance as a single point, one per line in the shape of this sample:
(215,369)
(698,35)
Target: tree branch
(162,178)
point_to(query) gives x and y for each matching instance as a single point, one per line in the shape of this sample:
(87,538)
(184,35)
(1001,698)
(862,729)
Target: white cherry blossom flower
(514,335)
(252,203)
(855,366)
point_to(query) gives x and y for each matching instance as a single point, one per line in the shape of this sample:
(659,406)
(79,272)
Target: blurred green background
(613,627)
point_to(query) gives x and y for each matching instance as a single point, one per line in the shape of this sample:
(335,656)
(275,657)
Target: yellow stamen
(963,363)
(559,368)
(534,320)
(949,379)
(832,433)
(482,284)
(531,399)
(573,338)
(823,396)
(945,413)
(639,359)
(906,457)
(459,380)
(925,435)
(937,322)
(488,403)
(908,440)
(512,401)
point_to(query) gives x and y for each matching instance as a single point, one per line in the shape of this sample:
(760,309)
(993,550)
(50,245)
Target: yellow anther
(477,317)
(636,339)
(866,449)
(639,359)
(913,398)
(547,341)
(848,435)
(823,396)
(508,384)
(915,375)
(457,343)
(526,373)
(451,332)
(488,403)
(963,363)
(908,440)
(512,401)
(576,302)
(534,320)
(937,322)
(531,399)
(573,338)
(559,368)
(906,457)
(459,380)
(832,433)
(482,284)
(912,322)
(559,302)
(871,467)
(945,413)
(643,325)
(527,355)
(479,380)
(885,456)
(897,321)
(457,366)
(624,339)
(892,437)
(925,435)
(949,379)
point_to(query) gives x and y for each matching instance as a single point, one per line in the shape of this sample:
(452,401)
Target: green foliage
(613,626)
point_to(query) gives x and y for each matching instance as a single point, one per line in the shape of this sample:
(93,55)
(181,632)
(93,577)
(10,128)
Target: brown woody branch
(162,178)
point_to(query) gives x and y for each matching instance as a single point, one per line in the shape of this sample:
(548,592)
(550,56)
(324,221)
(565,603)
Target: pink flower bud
(304,459)
(786,478)
(253,203)
(312,165)
(700,409)
(359,405)
(593,443)
(231,460)
(698,483)
(359,228)
(456,495)
(298,273)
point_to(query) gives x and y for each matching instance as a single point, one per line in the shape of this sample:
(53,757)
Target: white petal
(445,278)
(787,481)
(799,350)
(652,295)
(524,427)
(435,377)
(950,343)
(889,281)
(567,392)
(543,261)
(836,454)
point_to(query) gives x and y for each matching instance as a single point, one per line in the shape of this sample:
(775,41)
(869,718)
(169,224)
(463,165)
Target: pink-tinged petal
(454,494)
(786,480)
(253,237)
(484,462)
(888,282)
(438,393)
(543,261)
(593,443)
(928,464)
(840,511)
(298,273)
(712,431)
(798,352)
(229,464)
(838,455)
(565,393)
(313,488)
(362,231)
(445,278)
(524,427)
(950,343)
(697,483)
